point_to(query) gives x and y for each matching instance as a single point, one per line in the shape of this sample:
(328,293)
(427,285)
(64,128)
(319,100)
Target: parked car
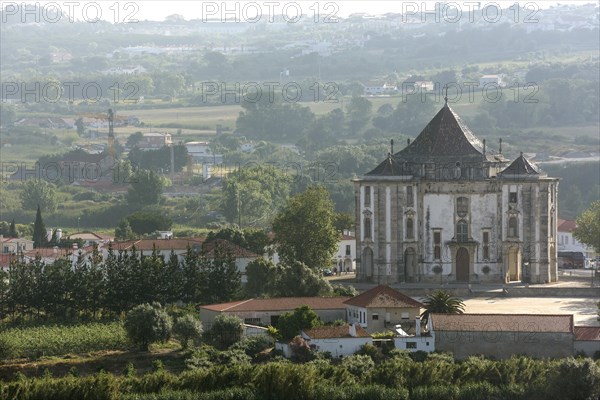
(327,272)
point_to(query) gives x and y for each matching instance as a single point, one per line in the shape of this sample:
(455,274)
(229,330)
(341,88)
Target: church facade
(447,209)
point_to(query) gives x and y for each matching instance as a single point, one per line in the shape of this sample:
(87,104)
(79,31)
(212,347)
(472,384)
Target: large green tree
(38,192)
(588,226)
(290,323)
(148,323)
(146,188)
(304,229)
(252,195)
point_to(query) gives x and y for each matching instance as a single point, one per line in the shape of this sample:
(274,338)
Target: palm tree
(442,302)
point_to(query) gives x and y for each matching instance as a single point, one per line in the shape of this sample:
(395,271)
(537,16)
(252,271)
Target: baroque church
(447,208)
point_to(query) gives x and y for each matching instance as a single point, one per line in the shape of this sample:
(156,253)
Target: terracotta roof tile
(383,296)
(587,333)
(332,332)
(566,225)
(558,323)
(280,303)
(228,247)
(161,244)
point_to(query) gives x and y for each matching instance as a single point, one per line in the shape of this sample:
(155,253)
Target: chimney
(352,330)
(500,150)
(49,234)
(484,147)
(58,234)
(418,326)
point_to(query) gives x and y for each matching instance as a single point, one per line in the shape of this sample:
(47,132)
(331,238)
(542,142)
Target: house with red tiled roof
(179,246)
(339,341)
(15,245)
(502,335)
(267,311)
(383,308)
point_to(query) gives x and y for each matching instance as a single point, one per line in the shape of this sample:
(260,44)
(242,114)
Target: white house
(15,245)
(339,341)
(420,341)
(201,152)
(570,250)
(154,140)
(345,258)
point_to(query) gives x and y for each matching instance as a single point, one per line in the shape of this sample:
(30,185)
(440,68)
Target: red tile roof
(587,333)
(160,244)
(333,332)
(556,323)
(566,225)
(280,303)
(226,246)
(383,296)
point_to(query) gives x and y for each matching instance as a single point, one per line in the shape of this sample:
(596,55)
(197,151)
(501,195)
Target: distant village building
(154,141)
(495,80)
(449,209)
(202,153)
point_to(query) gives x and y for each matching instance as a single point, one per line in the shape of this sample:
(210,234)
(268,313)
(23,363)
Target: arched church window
(462,231)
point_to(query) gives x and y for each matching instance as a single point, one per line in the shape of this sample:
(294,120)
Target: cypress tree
(39,230)
(12,231)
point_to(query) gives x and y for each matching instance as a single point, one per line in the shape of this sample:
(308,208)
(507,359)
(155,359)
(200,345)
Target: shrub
(358,365)
(226,330)
(146,324)
(7,348)
(300,349)
(253,345)
(436,392)
(574,379)
(371,351)
(187,328)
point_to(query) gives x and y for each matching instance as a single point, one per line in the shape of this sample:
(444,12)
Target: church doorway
(462,265)
(368,262)
(514,264)
(410,264)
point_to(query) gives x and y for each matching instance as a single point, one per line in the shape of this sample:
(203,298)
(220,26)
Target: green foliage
(260,274)
(123,231)
(52,340)
(290,323)
(358,365)
(304,229)
(255,240)
(588,226)
(146,188)
(574,379)
(225,331)
(40,237)
(39,193)
(187,328)
(145,222)
(146,324)
(252,195)
(442,302)
(253,345)
(160,159)
(276,381)
(343,290)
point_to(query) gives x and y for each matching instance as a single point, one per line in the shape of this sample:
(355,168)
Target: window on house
(462,206)
(252,321)
(347,249)
(411,345)
(486,245)
(367,227)
(512,197)
(404,315)
(462,231)
(367,196)
(437,245)
(409,196)
(513,227)
(375,317)
(409,228)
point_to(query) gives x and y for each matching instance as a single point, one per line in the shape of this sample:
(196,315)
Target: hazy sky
(194,9)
